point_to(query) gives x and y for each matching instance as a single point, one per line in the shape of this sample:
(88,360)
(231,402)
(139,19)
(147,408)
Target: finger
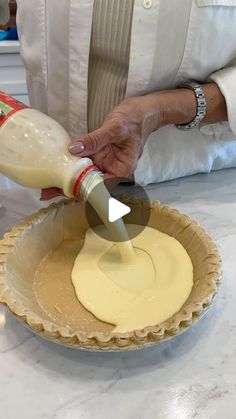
(50,193)
(91,143)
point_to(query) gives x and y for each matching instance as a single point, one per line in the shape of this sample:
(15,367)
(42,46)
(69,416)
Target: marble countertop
(191,377)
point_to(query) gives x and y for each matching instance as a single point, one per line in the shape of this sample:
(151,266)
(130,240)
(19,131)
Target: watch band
(201,102)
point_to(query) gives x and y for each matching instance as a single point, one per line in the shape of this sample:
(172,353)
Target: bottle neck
(86,181)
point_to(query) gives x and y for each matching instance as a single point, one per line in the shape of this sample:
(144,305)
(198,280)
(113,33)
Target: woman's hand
(116,147)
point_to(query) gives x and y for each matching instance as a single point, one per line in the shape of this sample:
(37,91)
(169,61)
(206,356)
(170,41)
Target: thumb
(90,143)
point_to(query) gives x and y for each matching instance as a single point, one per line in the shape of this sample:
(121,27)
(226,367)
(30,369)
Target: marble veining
(191,377)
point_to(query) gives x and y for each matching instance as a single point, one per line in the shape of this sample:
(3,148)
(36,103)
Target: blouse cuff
(226,81)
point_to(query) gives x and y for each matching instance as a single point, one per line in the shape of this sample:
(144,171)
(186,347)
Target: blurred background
(12,73)
(12,21)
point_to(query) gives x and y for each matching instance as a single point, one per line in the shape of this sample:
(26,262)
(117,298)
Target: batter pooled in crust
(144,291)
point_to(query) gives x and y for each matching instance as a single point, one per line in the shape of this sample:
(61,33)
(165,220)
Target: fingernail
(76,148)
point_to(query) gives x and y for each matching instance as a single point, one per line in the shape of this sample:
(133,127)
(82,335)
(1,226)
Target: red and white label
(8,106)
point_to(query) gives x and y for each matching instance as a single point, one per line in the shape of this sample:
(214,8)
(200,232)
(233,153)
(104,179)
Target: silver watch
(201,102)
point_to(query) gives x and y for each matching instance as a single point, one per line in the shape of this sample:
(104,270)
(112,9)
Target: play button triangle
(117,210)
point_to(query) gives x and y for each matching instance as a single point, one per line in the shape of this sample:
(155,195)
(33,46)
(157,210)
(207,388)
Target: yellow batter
(146,291)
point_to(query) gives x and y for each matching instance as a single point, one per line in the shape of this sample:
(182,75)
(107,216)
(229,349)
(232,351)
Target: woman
(111,72)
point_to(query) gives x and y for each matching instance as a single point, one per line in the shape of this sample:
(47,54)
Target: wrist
(167,107)
(179,106)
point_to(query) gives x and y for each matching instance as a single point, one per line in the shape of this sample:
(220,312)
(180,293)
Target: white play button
(119,205)
(117,210)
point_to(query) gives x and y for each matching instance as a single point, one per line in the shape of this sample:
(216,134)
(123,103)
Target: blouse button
(147,4)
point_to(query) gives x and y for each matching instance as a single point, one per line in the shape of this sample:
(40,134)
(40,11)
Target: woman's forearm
(118,144)
(179,106)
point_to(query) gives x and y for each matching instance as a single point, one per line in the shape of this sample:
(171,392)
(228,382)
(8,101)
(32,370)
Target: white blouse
(171,41)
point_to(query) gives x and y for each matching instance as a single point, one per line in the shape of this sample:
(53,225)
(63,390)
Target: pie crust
(31,246)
